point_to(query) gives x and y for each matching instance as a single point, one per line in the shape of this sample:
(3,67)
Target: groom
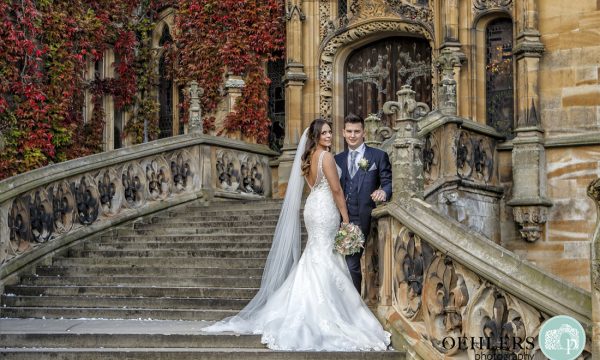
(366,178)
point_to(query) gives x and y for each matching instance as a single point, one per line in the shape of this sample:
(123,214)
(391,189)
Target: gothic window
(276,71)
(499,76)
(342,8)
(165,91)
(375,72)
(118,128)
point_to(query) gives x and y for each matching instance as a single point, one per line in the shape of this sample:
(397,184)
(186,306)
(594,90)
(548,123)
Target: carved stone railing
(457,164)
(445,290)
(46,209)
(460,170)
(594,193)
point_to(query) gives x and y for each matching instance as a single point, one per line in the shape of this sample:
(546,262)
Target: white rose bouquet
(349,239)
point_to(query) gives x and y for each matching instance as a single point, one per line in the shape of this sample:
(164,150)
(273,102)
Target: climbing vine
(230,36)
(47,48)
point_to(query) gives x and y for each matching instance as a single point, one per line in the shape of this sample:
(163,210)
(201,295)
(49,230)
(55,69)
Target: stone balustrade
(46,209)
(444,290)
(433,269)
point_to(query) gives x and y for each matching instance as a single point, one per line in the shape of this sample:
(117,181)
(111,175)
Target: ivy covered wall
(46,48)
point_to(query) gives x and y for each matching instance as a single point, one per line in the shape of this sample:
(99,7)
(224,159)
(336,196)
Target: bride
(309,302)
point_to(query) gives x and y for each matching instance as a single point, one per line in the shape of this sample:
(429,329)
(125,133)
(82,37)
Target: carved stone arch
(165,18)
(482,19)
(337,47)
(167,91)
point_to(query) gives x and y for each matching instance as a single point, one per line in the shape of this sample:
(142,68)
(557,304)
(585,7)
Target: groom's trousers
(353,262)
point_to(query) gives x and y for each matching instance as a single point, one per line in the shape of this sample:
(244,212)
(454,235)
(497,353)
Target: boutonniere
(363,164)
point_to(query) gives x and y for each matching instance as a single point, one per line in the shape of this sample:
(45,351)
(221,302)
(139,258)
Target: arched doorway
(375,72)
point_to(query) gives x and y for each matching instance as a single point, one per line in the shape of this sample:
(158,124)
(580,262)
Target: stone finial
(374,132)
(371,125)
(406,108)
(407,164)
(195,109)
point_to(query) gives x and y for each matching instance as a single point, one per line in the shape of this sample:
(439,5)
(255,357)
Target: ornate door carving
(375,72)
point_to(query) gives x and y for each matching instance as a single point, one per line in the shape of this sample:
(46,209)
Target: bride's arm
(330,172)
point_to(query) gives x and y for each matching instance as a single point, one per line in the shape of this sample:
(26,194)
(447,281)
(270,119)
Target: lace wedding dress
(316,307)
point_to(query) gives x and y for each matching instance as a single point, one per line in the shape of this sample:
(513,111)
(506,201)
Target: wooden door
(375,72)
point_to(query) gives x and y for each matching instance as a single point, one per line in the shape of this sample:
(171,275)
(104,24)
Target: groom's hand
(378,195)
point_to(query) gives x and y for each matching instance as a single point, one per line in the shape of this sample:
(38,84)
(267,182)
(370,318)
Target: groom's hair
(354,119)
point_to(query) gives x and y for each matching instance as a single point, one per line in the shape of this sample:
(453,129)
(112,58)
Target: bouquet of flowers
(349,239)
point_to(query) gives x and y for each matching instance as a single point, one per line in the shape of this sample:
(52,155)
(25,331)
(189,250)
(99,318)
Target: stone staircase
(147,287)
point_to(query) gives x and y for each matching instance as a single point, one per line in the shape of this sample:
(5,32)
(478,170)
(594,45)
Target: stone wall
(569,81)
(556,73)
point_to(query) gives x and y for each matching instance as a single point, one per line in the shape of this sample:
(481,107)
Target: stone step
(144,270)
(118,340)
(154,291)
(208,222)
(115,245)
(211,281)
(123,302)
(197,238)
(189,354)
(66,340)
(224,211)
(167,253)
(108,313)
(155,229)
(237,263)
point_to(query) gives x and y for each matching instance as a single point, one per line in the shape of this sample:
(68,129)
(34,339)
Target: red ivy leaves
(237,36)
(44,50)
(45,47)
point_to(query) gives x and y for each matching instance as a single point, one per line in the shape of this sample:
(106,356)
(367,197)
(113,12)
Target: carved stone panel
(445,295)
(239,172)
(475,157)
(110,187)
(63,206)
(487,5)
(411,257)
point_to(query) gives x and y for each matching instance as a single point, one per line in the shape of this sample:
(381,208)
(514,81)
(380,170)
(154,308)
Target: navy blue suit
(358,190)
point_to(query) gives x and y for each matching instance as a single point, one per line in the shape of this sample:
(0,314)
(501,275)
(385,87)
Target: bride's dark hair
(314,132)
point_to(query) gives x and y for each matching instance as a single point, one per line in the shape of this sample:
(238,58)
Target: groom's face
(354,134)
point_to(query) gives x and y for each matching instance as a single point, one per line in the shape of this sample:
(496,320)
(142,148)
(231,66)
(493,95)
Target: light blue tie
(353,168)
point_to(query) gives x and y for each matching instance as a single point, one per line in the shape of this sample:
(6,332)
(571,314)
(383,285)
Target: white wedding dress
(317,307)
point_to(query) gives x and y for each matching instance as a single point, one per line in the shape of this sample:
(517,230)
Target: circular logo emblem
(562,338)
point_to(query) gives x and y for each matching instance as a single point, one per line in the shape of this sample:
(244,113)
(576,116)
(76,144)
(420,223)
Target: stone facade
(546,219)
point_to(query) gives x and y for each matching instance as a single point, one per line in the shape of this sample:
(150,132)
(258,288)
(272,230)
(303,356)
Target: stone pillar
(594,192)
(450,23)
(407,165)
(447,97)
(195,110)
(294,80)
(233,91)
(529,202)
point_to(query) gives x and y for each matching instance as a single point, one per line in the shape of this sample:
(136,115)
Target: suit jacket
(378,174)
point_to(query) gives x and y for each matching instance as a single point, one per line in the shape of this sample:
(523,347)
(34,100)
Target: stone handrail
(440,279)
(48,208)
